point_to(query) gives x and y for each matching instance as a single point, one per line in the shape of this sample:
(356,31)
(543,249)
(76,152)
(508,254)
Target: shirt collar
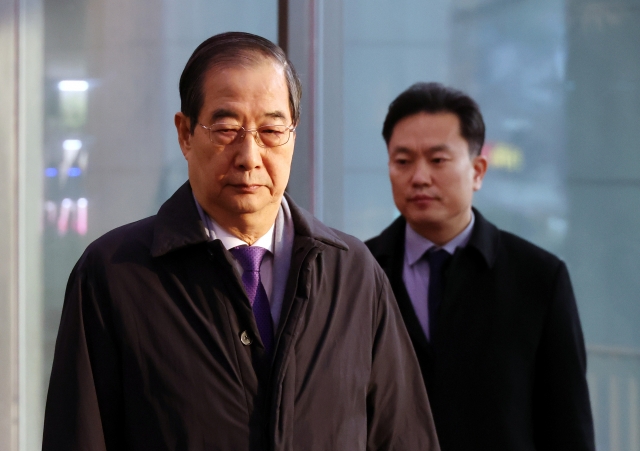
(216,232)
(230,241)
(416,245)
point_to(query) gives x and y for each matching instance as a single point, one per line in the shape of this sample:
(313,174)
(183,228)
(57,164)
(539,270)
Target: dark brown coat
(149,354)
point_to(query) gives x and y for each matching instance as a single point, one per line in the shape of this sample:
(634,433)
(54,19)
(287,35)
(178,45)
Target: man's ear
(183,127)
(480,165)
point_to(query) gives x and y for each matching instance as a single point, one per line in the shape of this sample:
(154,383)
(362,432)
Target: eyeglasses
(265,136)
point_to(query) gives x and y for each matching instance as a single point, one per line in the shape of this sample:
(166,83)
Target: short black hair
(232,48)
(437,98)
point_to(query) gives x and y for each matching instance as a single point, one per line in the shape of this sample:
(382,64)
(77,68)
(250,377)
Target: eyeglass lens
(265,136)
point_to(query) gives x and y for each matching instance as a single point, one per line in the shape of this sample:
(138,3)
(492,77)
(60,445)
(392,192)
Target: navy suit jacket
(506,367)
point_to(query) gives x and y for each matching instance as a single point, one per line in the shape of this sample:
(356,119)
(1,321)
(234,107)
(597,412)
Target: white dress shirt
(230,241)
(274,269)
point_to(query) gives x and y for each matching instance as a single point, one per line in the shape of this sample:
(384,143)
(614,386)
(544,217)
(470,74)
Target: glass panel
(558,82)
(8,229)
(110,151)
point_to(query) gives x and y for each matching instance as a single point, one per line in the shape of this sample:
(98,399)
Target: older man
(492,317)
(233,320)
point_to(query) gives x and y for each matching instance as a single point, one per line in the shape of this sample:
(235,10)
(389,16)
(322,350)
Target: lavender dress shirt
(415,272)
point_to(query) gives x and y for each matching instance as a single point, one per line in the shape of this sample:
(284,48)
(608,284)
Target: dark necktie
(250,258)
(437,260)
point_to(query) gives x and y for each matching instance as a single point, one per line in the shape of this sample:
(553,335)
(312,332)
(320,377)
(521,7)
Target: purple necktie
(436,259)
(250,258)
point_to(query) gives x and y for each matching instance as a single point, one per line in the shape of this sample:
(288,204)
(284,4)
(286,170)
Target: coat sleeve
(562,411)
(399,415)
(84,401)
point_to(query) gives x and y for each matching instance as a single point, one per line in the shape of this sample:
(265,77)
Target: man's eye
(274,131)
(224,131)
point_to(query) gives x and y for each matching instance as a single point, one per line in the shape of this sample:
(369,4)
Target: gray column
(300,52)
(8,229)
(316,49)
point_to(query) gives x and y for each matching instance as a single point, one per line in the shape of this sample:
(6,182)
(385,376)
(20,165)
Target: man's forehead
(435,128)
(250,62)
(427,121)
(229,113)
(242,58)
(411,148)
(230,88)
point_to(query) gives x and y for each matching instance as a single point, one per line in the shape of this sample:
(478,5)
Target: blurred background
(87,143)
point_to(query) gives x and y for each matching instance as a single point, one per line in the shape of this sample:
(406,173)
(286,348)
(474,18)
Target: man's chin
(244,204)
(423,219)
(420,213)
(248,204)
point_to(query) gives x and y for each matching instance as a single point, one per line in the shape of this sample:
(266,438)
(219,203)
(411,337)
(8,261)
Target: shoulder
(133,239)
(496,244)
(375,244)
(104,263)
(513,260)
(354,262)
(138,234)
(357,250)
(389,239)
(344,251)
(504,249)
(518,246)
(532,265)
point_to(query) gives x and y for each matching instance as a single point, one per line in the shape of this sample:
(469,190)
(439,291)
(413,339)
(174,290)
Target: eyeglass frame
(254,132)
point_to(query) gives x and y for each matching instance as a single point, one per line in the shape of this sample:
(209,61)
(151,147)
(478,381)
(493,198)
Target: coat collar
(306,224)
(484,238)
(178,224)
(391,240)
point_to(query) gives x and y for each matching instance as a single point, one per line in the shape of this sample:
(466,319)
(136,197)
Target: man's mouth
(422,198)
(246,187)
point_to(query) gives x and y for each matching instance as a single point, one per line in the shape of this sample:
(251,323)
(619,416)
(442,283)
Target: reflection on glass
(73,85)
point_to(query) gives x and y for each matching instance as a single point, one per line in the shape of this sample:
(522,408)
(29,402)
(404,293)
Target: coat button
(245,338)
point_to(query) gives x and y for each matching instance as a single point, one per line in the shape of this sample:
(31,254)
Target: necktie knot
(249,257)
(436,258)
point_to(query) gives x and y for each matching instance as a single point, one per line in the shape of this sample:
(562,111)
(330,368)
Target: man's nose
(242,135)
(248,153)
(422,174)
